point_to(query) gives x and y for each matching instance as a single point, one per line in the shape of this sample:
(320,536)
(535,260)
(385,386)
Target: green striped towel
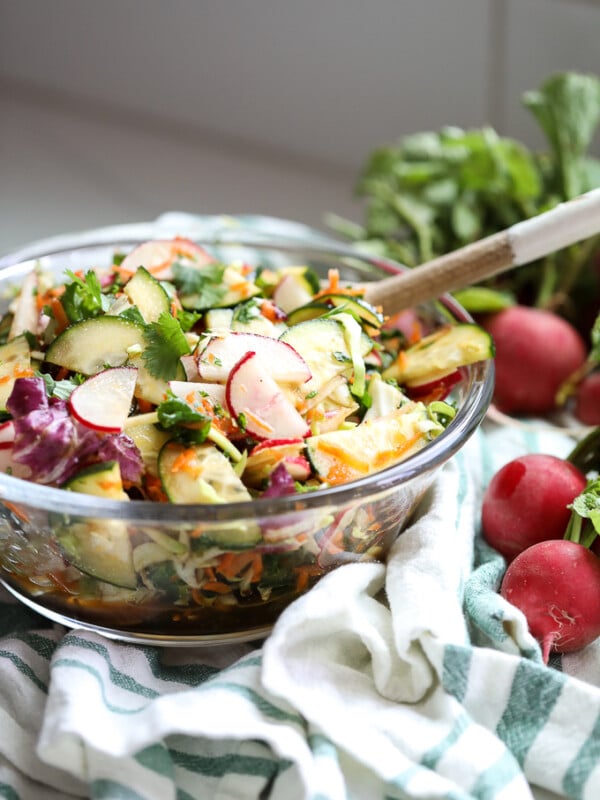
(414,680)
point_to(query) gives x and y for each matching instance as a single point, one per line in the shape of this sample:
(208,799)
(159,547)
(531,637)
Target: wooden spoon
(526,241)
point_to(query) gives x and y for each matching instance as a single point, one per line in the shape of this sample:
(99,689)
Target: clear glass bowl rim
(440,450)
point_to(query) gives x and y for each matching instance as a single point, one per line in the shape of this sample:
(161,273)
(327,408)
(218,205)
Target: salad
(171,376)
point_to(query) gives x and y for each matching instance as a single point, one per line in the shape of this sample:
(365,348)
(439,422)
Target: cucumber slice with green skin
(198,473)
(306,312)
(148,439)
(94,344)
(202,474)
(364,312)
(145,292)
(440,354)
(323,345)
(100,548)
(15,362)
(147,387)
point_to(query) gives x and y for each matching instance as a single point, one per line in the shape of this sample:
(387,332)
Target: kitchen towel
(409,680)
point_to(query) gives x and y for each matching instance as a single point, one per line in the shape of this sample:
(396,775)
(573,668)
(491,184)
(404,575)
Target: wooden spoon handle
(522,243)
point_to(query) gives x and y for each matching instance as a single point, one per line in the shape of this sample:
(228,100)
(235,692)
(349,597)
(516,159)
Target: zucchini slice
(440,354)
(100,548)
(198,473)
(322,343)
(93,344)
(145,292)
(15,362)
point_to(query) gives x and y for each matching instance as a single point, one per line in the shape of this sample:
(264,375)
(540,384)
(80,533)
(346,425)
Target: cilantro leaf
(83,298)
(165,346)
(61,389)
(186,423)
(203,288)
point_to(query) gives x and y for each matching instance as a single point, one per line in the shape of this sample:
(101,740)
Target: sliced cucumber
(148,439)
(15,362)
(100,548)
(199,474)
(364,312)
(323,345)
(202,474)
(101,480)
(145,292)
(94,344)
(440,354)
(309,311)
(219,320)
(147,387)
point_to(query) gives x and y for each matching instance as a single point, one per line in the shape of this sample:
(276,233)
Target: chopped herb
(342,357)
(165,346)
(187,319)
(187,424)
(60,389)
(204,285)
(133,314)
(83,298)
(246,312)
(241,421)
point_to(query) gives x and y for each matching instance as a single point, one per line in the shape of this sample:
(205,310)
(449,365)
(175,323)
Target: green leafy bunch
(433,192)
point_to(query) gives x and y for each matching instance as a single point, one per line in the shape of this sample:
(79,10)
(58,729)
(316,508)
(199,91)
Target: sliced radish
(7,435)
(104,400)
(289,294)
(157,256)
(193,391)
(285,365)
(259,405)
(290,445)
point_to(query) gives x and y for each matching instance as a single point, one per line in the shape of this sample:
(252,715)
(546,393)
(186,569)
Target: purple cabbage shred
(54,445)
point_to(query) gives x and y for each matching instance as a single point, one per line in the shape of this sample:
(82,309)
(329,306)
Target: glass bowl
(300,537)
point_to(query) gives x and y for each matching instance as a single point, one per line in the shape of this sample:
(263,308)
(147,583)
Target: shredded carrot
(333,287)
(233,564)
(154,489)
(108,485)
(257,422)
(416,332)
(58,312)
(16,511)
(185,461)
(269,311)
(144,406)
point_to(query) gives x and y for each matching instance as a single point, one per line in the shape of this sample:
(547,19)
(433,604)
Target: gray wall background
(118,110)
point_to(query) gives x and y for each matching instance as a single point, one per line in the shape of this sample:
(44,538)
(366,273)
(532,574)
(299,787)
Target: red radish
(556,585)
(526,502)
(103,402)
(284,364)
(158,255)
(587,400)
(535,352)
(434,390)
(7,435)
(258,404)
(193,391)
(266,455)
